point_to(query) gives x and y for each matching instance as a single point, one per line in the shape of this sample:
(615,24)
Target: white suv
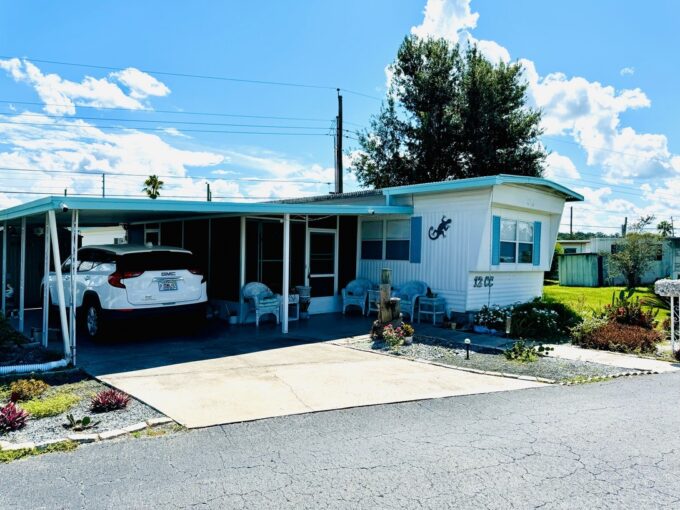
(132,280)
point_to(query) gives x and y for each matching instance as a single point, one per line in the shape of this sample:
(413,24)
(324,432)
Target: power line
(141,195)
(201,76)
(118,119)
(161,129)
(179,75)
(173,112)
(98,173)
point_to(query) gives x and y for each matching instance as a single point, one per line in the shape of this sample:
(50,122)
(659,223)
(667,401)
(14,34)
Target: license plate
(165,285)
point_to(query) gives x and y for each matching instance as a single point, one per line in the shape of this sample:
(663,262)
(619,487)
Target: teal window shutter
(416,238)
(496,241)
(537,243)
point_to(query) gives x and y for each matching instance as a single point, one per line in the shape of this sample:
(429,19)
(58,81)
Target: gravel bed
(560,370)
(45,429)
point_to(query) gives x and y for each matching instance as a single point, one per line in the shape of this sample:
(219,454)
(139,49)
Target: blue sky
(602,72)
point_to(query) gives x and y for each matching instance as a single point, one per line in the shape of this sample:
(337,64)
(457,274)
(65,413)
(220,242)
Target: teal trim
(537,244)
(496,240)
(482,182)
(416,239)
(135,205)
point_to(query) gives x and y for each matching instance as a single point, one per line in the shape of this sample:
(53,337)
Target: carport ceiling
(113,211)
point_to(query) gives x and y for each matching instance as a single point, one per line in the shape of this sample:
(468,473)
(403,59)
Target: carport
(219,230)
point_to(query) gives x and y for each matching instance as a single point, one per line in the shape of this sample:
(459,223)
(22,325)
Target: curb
(611,376)
(86,438)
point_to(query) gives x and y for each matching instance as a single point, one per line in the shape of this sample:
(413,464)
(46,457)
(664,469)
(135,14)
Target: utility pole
(624,227)
(672,227)
(65,192)
(208,192)
(338,146)
(103,185)
(571,221)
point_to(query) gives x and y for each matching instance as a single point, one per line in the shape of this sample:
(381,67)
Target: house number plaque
(483,281)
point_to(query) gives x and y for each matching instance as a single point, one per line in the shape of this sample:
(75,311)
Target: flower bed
(69,393)
(453,354)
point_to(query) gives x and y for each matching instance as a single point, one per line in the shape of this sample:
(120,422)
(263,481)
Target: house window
(398,240)
(152,234)
(372,240)
(517,242)
(386,239)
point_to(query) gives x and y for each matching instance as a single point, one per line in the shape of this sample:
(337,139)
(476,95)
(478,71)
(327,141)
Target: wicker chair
(260,300)
(409,293)
(356,294)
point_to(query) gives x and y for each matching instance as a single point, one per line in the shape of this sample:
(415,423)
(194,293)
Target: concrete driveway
(223,376)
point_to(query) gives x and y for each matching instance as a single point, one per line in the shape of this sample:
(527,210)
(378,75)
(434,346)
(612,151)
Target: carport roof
(111,211)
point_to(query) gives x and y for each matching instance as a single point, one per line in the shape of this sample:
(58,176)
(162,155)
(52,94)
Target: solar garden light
(467,348)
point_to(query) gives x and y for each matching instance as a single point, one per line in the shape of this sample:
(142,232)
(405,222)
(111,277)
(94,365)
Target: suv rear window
(156,261)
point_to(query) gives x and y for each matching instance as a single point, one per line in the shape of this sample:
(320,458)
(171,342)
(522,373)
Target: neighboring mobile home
(585,263)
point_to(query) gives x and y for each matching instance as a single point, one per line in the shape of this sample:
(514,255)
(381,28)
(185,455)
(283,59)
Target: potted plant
(408,331)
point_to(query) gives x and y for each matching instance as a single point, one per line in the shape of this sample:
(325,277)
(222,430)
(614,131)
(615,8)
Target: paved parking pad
(292,380)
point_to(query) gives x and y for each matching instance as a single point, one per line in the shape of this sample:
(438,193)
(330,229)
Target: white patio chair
(409,293)
(261,300)
(356,294)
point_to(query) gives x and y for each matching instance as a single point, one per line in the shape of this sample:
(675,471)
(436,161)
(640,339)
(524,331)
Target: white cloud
(453,20)
(141,85)
(560,167)
(60,96)
(627,71)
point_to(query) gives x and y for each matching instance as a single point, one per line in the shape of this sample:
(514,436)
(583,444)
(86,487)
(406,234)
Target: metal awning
(112,211)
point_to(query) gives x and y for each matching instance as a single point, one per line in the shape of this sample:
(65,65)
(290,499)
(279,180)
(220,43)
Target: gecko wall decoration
(440,231)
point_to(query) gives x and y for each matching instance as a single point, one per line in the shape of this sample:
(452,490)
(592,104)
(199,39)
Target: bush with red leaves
(109,400)
(12,418)
(620,337)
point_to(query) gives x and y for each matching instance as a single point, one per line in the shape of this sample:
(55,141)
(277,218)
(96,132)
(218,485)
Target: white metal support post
(22,275)
(242,268)
(674,317)
(4,269)
(46,286)
(286,271)
(74,272)
(59,283)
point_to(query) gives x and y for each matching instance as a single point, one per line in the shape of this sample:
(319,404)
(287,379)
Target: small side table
(431,307)
(293,306)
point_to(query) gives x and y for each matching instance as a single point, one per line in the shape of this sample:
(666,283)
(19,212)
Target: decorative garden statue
(390,311)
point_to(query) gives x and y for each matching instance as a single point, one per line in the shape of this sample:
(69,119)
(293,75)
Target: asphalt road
(604,445)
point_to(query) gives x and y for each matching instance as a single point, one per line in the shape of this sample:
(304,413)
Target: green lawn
(583,299)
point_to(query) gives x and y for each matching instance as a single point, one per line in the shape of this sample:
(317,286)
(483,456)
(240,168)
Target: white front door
(322,269)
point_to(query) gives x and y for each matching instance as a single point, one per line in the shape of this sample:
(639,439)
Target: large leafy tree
(635,253)
(449,114)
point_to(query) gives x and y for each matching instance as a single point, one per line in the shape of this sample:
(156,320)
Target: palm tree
(152,187)
(665,228)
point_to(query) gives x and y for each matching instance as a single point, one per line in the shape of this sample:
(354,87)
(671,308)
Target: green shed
(581,270)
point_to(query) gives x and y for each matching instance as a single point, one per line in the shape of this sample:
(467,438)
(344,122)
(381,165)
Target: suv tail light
(197,271)
(115,278)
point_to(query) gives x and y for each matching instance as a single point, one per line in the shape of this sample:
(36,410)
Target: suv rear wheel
(93,320)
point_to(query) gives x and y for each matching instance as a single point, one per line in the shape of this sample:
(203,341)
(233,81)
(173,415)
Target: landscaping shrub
(27,389)
(493,317)
(627,310)
(522,353)
(614,336)
(52,405)
(585,328)
(109,400)
(542,318)
(12,418)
